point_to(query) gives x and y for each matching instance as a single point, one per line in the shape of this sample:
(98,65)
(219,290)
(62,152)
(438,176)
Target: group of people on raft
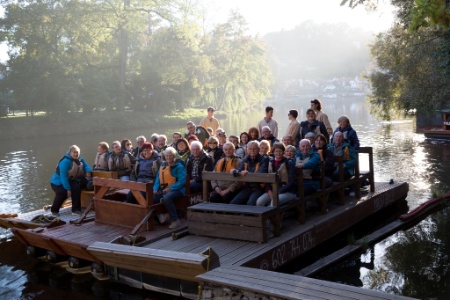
(206,147)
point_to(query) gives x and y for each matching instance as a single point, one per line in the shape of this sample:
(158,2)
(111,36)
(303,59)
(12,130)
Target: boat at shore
(124,242)
(441,130)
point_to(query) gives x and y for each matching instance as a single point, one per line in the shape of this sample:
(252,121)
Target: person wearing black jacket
(197,162)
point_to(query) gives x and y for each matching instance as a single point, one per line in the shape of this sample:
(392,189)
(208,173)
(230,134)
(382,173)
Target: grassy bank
(41,125)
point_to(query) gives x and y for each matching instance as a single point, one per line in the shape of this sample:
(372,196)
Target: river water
(399,154)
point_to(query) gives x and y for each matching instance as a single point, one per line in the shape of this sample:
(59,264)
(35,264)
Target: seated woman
(183,149)
(127,146)
(222,136)
(145,168)
(170,184)
(66,180)
(320,146)
(290,152)
(225,191)
(348,133)
(101,159)
(213,149)
(344,150)
(285,168)
(252,163)
(244,139)
(309,161)
(264,148)
(239,151)
(253,134)
(121,162)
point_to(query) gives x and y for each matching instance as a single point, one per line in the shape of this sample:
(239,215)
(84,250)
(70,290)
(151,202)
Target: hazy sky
(265,16)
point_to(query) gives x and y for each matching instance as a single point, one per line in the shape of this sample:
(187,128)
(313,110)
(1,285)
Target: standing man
(268,121)
(293,126)
(210,121)
(316,105)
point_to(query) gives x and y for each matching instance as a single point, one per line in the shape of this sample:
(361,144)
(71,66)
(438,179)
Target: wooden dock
(253,284)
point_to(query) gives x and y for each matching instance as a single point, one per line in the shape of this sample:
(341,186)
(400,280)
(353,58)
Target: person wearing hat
(209,120)
(145,168)
(316,105)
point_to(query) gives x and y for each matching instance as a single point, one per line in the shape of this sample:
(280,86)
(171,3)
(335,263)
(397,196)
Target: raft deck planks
(294,240)
(280,286)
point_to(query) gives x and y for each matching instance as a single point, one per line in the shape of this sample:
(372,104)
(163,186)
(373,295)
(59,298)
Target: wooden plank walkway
(224,282)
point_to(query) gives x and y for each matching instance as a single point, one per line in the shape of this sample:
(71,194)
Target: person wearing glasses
(316,105)
(127,146)
(213,149)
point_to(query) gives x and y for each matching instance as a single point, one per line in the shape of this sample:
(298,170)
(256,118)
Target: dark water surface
(414,262)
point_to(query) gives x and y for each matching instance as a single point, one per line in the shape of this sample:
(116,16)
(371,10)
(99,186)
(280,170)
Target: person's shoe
(76,212)
(175,224)
(163,218)
(55,214)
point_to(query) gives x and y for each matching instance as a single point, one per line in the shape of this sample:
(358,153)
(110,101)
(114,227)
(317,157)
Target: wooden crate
(240,222)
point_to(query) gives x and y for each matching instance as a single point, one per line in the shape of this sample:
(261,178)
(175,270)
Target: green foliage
(412,73)
(85,56)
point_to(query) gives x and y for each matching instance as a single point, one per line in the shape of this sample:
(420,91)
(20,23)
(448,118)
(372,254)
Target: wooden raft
(272,285)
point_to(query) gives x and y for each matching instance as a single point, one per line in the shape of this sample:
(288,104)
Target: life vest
(320,151)
(76,170)
(224,165)
(165,176)
(307,173)
(119,162)
(256,167)
(101,161)
(282,171)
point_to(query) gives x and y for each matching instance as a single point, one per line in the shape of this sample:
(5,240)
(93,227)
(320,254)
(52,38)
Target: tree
(412,67)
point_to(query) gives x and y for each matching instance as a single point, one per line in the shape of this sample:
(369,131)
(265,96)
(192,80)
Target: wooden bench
(241,222)
(86,196)
(323,194)
(172,264)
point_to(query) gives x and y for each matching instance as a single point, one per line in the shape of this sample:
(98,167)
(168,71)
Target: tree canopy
(413,59)
(72,56)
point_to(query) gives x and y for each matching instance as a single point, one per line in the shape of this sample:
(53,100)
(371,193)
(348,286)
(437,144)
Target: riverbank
(22,127)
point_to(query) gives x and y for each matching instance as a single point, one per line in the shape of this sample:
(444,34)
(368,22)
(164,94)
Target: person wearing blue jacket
(66,180)
(169,184)
(348,133)
(310,162)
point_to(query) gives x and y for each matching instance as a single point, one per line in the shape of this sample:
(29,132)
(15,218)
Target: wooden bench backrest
(105,174)
(103,185)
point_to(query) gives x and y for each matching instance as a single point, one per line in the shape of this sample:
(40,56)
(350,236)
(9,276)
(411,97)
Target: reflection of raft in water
(124,240)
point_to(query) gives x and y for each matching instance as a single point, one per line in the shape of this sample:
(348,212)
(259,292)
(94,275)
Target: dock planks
(280,286)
